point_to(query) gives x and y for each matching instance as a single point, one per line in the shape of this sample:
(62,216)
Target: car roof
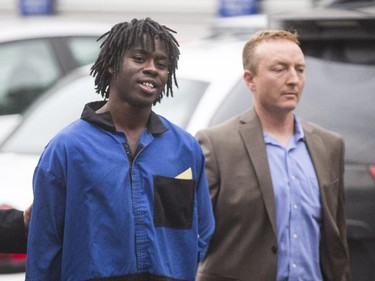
(31,28)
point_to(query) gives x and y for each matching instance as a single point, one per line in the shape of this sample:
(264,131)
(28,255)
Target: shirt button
(295,206)
(274,249)
(295,236)
(294,265)
(293,178)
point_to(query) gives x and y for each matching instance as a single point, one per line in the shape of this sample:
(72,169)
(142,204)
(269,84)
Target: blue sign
(229,8)
(36,7)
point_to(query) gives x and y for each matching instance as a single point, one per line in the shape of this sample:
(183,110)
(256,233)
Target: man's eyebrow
(138,49)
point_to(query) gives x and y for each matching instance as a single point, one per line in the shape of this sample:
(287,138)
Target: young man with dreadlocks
(121,194)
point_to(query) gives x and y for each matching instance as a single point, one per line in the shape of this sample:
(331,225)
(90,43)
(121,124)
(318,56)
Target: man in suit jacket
(13,230)
(276,181)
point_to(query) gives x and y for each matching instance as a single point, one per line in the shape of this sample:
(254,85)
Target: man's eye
(162,65)
(301,70)
(138,59)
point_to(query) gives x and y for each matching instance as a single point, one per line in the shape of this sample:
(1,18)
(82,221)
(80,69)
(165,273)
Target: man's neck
(279,126)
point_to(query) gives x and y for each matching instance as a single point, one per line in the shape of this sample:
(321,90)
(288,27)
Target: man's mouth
(148,84)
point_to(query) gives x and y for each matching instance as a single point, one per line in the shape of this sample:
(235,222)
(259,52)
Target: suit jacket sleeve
(211,167)
(13,238)
(327,150)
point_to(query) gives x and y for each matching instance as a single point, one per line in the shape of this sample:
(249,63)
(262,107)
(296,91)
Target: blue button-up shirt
(298,208)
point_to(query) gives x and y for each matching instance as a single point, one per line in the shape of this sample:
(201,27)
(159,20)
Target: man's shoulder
(176,132)
(314,132)
(67,136)
(230,125)
(317,129)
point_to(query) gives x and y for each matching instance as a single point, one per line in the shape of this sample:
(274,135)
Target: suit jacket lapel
(252,135)
(318,156)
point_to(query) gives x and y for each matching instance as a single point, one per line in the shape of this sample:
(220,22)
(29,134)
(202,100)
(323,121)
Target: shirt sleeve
(46,225)
(205,211)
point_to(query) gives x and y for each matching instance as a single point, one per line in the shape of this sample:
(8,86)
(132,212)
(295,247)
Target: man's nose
(150,66)
(293,76)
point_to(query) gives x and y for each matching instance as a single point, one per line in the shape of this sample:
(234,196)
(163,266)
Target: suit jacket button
(274,249)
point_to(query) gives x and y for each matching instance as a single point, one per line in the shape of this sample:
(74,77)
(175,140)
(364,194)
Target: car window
(359,52)
(179,108)
(26,69)
(349,51)
(84,49)
(238,100)
(49,115)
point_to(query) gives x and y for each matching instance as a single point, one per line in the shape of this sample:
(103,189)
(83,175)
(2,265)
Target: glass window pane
(238,100)
(179,108)
(50,115)
(27,68)
(84,49)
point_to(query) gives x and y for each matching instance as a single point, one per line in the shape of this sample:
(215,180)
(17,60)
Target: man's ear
(248,76)
(111,70)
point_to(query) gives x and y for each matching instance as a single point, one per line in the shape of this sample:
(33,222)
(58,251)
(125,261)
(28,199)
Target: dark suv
(340,95)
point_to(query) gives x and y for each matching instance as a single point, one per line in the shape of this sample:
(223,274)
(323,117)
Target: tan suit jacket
(244,245)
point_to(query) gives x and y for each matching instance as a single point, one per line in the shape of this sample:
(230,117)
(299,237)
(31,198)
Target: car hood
(16,172)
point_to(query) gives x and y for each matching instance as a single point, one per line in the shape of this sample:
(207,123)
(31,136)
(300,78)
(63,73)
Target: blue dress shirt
(298,208)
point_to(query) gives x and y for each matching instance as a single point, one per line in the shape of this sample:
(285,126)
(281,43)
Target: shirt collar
(298,132)
(104,120)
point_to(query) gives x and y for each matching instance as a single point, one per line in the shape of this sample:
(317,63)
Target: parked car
(34,54)
(349,4)
(338,95)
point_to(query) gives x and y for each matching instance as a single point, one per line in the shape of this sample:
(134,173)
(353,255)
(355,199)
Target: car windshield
(53,112)
(181,106)
(27,68)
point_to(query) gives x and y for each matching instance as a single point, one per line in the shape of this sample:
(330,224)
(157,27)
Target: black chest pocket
(173,202)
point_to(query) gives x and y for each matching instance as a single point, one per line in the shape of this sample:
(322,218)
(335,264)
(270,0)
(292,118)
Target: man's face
(142,76)
(278,83)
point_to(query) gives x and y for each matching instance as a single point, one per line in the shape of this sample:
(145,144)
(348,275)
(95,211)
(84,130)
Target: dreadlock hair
(123,37)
